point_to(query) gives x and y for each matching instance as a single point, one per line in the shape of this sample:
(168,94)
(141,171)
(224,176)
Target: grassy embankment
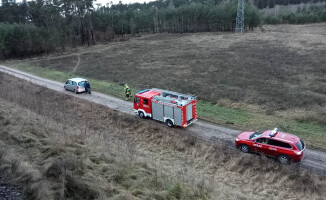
(312,133)
(53,154)
(49,146)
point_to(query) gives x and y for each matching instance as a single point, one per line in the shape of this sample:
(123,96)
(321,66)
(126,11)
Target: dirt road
(314,160)
(9,191)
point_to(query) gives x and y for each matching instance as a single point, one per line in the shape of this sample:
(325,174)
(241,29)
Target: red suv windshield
(255,135)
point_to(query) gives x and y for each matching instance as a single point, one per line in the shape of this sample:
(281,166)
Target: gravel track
(314,160)
(9,191)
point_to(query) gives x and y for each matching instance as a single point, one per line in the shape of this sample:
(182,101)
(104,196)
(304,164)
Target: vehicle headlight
(237,139)
(298,152)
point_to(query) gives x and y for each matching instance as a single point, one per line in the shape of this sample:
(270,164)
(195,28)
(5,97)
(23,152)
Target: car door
(261,145)
(273,147)
(74,86)
(68,85)
(146,105)
(136,103)
(279,147)
(71,86)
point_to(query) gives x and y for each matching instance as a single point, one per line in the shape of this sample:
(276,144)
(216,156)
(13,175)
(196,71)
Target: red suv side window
(279,143)
(262,140)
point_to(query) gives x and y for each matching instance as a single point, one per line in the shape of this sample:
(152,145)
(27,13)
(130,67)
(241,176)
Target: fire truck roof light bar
(143,91)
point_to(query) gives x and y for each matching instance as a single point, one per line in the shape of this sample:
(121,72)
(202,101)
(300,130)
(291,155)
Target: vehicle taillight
(77,87)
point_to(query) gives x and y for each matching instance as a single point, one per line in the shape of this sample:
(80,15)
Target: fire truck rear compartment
(189,112)
(163,112)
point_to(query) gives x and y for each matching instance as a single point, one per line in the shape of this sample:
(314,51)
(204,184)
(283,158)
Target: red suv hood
(245,135)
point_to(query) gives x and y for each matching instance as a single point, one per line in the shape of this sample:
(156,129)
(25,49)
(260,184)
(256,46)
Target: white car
(75,84)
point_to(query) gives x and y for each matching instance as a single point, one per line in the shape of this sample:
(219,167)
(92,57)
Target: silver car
(75,84)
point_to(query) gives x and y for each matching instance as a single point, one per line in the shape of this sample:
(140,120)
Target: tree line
(41,26)
(272,3)
(194,17)
(302,15)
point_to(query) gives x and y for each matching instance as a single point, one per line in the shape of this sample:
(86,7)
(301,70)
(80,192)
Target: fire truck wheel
(141,114)
(169,123)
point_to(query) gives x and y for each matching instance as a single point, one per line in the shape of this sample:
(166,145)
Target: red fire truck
(169,107)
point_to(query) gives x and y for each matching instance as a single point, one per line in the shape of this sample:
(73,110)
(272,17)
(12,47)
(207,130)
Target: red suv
(283,146)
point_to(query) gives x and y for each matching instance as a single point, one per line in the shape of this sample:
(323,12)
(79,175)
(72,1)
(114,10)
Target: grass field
(256,81)
(223,113)
(281,70)
(49,145)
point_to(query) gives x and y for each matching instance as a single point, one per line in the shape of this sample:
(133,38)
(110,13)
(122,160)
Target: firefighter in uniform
(127,92)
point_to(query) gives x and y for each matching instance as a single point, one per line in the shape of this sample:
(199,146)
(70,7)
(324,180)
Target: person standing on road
(88,88)
(127,92)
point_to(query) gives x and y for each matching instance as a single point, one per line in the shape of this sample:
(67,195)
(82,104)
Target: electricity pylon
(239,28)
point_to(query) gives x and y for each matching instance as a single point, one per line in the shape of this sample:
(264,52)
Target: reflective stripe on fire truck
(168,118)
(145,113)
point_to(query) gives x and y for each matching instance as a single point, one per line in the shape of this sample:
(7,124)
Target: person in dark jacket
(86,88)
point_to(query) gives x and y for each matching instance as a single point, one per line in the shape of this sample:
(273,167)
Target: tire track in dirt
(314,161)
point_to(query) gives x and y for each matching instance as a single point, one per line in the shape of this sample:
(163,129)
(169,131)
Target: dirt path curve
(314,161)
(77,64)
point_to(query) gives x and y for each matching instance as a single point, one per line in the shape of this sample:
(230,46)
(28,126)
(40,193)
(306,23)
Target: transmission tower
(239,28)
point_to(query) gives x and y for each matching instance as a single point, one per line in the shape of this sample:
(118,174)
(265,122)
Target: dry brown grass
(47,144)
(282,69)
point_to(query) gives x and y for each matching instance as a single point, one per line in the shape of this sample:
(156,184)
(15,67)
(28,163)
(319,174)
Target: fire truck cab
(169,107)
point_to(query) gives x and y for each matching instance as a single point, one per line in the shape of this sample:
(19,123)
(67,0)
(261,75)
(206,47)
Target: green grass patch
(312,133)
(105,87)
(220,114)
